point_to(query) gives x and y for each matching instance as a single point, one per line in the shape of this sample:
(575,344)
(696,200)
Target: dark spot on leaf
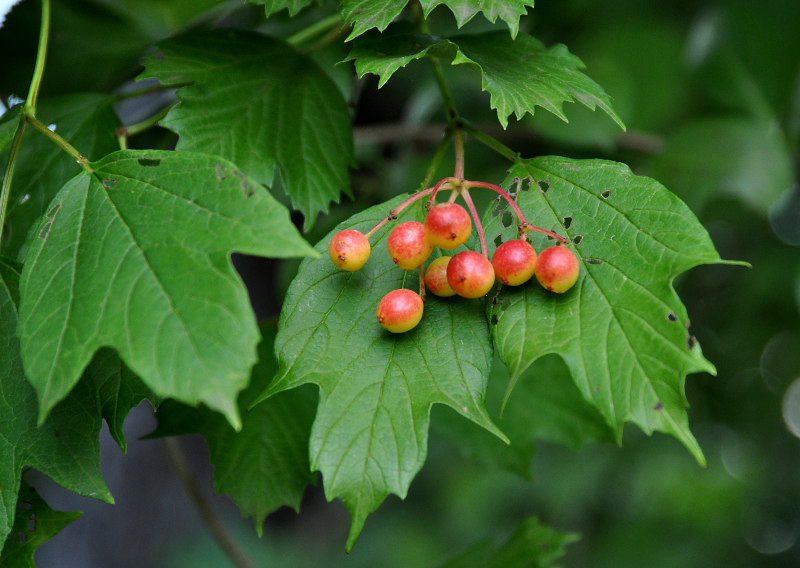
(544,186)
(109,183)
(577,239)
(245,185)
(567,222)
(493,320)
(32,522)
(592,260)
(691,341)
(605,194)
(672,317)
(149,162)
(219,171)
(25,505)
(658,406)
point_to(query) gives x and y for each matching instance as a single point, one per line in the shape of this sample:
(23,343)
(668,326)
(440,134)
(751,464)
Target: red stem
(474,212)
(524,226)
(396,211)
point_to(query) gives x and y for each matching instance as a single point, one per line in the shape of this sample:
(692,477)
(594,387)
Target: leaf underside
(369,438)
(622,330)
(108,266)
(256,101)
(519,74)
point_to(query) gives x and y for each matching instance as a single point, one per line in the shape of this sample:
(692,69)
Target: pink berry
(470,274)
(436,277)
(400,310)
(408,245)
(557,269)
(514,262)
(448,225)
(349,250)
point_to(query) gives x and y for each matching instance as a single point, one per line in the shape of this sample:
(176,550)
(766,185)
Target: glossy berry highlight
(448,225)
(436,277)
(514,262)
(557,269)
(349,250)
(470,274)
(400,310)
(408,245)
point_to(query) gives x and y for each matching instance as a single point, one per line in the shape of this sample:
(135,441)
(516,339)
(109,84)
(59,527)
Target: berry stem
(458,147)
(396,211)
(474,212)
(524,226)
(421,283)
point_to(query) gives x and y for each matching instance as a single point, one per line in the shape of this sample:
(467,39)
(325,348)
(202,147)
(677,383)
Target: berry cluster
(467,273)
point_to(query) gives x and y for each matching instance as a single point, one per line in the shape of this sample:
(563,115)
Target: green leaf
(464,10)
(519,74)
(9,122)
(265,465)
(87,121)
(532,545)
(261,104)
(365,15)
(376,389)
(622,330)
(34,524)
(746,158)
(546,406)
(119,390)
(275,6)
(65,448)
(136,257)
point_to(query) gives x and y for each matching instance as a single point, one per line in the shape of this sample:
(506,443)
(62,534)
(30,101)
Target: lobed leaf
(274,6)
(34,524)
(136,257)
(369,438)
(65,447)
(622,330)
(519,74)
(259,103)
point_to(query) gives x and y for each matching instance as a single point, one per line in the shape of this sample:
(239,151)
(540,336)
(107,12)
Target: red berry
(557,269)
(349,250)
(400,310)
(408,246)
(514,262)
(470,274)
(448,225)
(436,277)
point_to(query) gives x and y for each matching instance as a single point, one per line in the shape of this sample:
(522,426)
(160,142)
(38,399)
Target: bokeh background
(710,92)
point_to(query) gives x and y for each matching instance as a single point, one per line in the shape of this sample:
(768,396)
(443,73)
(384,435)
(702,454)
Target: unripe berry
(349,250)
(448,225)
(400,310)
(436,277)
(514,262)
(557,269)
(470,274)
(408,246)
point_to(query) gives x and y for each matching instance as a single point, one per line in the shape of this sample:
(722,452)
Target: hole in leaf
(544,186)
(577,239)
(567,222)
(149,162)
(32,522)
(507,219)
(592,260)
(219,171)
(672,317)
(498,240)
(690,342)
(605,194)
(658,406)
(24,199)
(493,320)
(109,183)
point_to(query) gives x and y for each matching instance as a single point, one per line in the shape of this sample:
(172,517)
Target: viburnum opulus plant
(117,283)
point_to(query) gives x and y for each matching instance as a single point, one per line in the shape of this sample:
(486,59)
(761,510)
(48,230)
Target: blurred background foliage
(710,93)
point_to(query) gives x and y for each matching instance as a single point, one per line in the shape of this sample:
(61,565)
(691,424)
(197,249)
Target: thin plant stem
(437,158)
(124,132)
(478,226)
(61,142)
(421,283)
(458,147)
(490,142)
(317,28)
(217,529)
(396,211)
